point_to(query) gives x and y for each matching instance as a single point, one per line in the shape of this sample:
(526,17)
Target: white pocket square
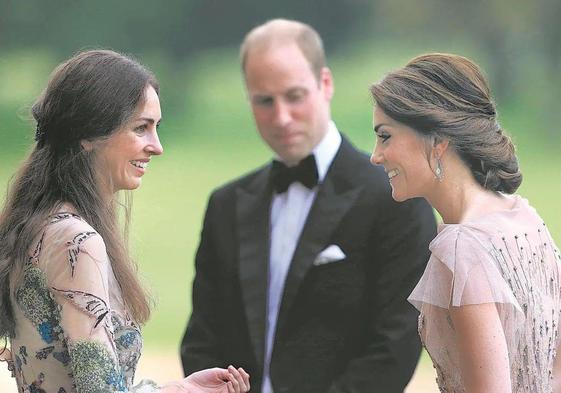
(332,253)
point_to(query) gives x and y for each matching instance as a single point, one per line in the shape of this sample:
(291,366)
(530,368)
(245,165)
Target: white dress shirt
(289,212)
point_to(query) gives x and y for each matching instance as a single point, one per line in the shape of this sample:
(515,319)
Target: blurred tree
(174,27)
(225,22)
(496,28)
(517,40)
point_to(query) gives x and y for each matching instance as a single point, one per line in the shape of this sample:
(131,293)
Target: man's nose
(282,115)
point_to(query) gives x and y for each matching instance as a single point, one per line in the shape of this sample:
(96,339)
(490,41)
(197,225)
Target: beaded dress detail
(507,258)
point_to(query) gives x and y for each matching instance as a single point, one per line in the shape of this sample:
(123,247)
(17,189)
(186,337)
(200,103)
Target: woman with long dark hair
(71,302)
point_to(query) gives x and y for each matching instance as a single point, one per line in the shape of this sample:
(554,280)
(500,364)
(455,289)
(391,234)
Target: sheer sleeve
(77,272)
(463,270)
(504,265)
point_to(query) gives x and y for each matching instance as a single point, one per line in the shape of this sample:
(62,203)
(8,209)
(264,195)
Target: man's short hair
(278,32)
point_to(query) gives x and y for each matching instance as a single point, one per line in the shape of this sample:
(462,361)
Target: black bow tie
(305,172)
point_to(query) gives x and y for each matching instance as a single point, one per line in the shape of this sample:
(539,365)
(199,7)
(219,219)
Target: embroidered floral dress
(507,258)
(73,333)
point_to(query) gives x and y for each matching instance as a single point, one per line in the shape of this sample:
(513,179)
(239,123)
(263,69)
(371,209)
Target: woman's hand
(218,380)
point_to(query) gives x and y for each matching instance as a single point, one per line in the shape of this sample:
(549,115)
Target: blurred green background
(208,132)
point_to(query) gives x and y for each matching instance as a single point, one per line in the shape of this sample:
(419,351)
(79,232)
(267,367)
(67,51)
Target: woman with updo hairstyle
(71,302)
(490,297)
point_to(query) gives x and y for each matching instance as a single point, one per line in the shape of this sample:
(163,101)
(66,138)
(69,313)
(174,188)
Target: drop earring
(438,172)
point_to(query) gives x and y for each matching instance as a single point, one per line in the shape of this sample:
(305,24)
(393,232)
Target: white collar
(325,150)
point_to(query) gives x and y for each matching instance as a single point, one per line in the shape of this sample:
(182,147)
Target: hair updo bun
(447,96)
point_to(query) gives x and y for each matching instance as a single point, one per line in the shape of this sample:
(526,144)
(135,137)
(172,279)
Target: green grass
(213,140)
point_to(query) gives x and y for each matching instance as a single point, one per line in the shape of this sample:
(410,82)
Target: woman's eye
(384,137)
(140,129)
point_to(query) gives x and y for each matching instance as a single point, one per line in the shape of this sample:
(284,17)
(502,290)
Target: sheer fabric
(73,333)
(507,258)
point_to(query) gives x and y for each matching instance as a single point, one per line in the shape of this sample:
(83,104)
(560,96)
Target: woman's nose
(376,157)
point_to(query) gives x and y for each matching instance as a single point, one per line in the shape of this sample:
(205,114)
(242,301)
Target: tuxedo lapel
(253,216)
(334,199)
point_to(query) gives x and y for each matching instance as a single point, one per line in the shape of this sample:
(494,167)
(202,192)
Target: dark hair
(282,32)
(447,96)
(88,98)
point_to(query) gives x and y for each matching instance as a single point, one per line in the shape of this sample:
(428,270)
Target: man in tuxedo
(305,264)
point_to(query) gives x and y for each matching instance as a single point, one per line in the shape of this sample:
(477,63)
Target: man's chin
(293,157)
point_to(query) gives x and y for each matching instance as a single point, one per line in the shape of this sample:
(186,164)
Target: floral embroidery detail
(45,352)
(116,380)
(18,363)
(74,248)
(91,304)
(35,386)
(62,357)
(93,367)
(127,339)
(23,353)
(46,331)
(36,304)
(86,366)
(128,343)
(63,216)
(34,258)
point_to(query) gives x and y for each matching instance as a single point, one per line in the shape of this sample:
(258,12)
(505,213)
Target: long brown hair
(446,96)
(88,97)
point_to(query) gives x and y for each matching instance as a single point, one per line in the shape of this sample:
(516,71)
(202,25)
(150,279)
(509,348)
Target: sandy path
(163,366)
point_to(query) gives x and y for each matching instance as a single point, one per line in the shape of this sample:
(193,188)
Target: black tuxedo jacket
(343,326)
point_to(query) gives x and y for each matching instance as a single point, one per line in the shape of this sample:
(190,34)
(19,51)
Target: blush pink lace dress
(507,258)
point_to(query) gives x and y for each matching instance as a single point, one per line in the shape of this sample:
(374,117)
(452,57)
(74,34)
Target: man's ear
(326,81)
(87,145)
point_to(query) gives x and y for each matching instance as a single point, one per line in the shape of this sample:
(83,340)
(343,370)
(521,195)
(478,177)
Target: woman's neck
(452,199)
(457,202)
(459,197)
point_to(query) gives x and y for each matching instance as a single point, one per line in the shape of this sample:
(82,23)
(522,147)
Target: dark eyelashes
(144,127)
(383,137)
